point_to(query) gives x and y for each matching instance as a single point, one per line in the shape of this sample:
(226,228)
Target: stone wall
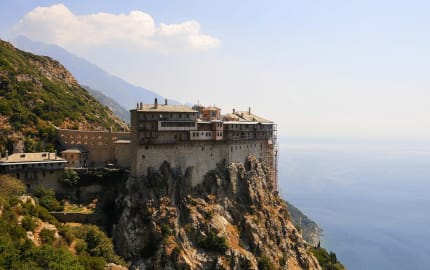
(122,154)
(201,157)
(78,217)
(99,144)
(40,178)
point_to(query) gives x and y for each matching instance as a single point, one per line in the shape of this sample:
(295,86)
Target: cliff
(309,229)
(234,220)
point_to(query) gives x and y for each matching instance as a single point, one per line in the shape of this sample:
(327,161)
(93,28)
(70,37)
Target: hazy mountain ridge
(91,75)
(115,107)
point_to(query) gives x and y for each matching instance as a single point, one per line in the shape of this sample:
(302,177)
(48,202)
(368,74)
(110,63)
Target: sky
(344,69)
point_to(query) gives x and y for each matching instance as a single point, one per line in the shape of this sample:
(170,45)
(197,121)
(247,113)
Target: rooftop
(165,108)
(31,157)
(122,141)
(245,116)
(73,151)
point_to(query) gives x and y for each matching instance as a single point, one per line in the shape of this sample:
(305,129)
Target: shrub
(265,264)
(166,231)
(92,263)
(80,246)
(47,236)
(28,223)
(47,199)
(328,261)
(10,186)
(70,178)
(214,242)
(97,243)
(48,257)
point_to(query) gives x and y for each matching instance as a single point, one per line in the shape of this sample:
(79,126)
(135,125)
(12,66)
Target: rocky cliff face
(234,220)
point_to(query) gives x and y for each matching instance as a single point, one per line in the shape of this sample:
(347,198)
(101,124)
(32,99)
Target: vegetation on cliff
(327,260)
(31,238)
(36,91)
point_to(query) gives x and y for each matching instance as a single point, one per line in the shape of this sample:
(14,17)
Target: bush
(97,243)
(70,178)
(48,257)
(47,236)
(47,199)
(44,215)
(92,263)
(328,261)
(214,242)
(28,223)
(166,231)
(10,186)
(81,246)
(265,264)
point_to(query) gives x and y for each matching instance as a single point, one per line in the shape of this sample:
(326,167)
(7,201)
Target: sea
(371,198)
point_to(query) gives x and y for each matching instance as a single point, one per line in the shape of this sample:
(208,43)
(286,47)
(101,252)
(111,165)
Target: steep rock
(234,220)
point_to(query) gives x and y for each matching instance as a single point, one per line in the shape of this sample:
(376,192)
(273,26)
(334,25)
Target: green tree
(28,223)
(47,236)
(97,243)
(48,257)
(10,186)
(70,178)
(47,199)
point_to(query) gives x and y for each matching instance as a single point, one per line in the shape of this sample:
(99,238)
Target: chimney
(49,155)
(249,110)
(141,105)
(137,105)
(7,154)
(165,101)
(234,111)
(156,103)
(55,154)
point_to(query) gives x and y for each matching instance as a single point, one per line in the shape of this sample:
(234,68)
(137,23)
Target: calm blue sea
(372,199)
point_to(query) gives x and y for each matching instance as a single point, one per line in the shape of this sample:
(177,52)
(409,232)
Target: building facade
(34,169)
(197,139)
(94,148)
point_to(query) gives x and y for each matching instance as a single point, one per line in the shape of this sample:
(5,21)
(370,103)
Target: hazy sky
(318,68)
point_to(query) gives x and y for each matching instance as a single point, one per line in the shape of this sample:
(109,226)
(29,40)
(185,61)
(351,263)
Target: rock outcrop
(234,220)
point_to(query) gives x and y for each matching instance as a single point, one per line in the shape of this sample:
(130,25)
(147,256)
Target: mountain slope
(36,91)
(89,74)
(115,107)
